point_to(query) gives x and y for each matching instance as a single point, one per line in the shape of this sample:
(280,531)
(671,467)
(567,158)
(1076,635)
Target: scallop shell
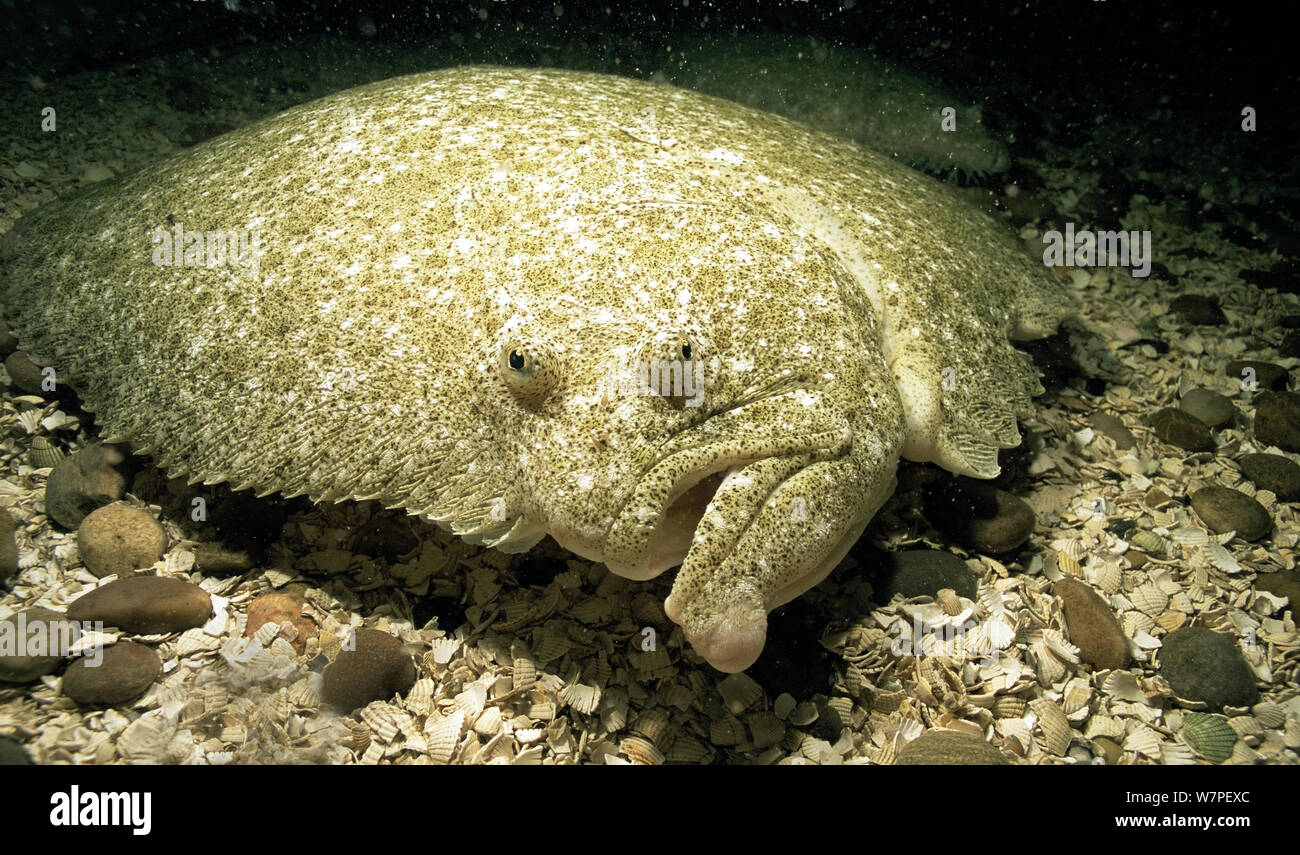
(30,420)
(1149,542)
(1106,575)
(1104,725)
(1190,536)
(949,601)
(1069,565)
(1171,620)
(1269,714)
(1245,725)
(43,454)
(419,699)
(765,729)
(1135,622)
(303,694)
(442,735)
(583,698)
(525,669)
(642,752)
(1145,741)
(1054,725)
(1076,697)
(383,720)
(726,731)
(1009,706)
(1049,669)
(443,650)
(653,724)
(689,750)
(1149,599)
(1211,736)
(739,692)
(489,722)
(1176,754)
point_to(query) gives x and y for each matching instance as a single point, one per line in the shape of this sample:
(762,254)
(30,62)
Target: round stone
(1092,626)
(949,748)
(125,671)
(1213,409)
(31,644)
(281,608)
(1265,374)
(1183,430)
(12,753)
(1198,309)
(374,669)
(980,517)
(25,374)
(1273,472)
(82,482)
(1113,427)
(117,539)
(1202,665)
(921,573)
(145,605)
(1277,420)
(1224,509)
(8,546)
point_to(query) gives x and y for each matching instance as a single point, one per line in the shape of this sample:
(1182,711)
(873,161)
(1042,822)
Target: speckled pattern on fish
(452,262)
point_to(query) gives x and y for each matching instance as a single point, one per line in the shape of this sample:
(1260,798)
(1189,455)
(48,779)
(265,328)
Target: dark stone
(389,538)
(82,482)
(215,558)
(8,546)
(1277,420)
(127,670)
(1092,626)
(374,670)
(1113,427)
(794,660)
(1202,665)
(1211,408)
(1267,375)
(145,605)
(12,753)
(1273,472)
(1290,345)
(949,748)
(980,517)
(25,374)
(1198,309)
(23,668)
(1183,430)
(1224,509)
(922,573)
(1283,584)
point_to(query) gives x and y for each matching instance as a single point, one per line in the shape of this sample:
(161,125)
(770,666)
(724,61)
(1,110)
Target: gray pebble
(82,482)
(25,374)
(1277,420)
(12,753)
(1224,509)
(127,669)
(375,670)
(1266,374)
(1202,665)
(1213,409)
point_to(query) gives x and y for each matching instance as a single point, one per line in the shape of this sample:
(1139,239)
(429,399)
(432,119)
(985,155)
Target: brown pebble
(1183,430)
(1113,427)
(375,669)
(145,605)
(1224,509)
(8,546)
(25,374)
(33,662)
(214,558)
(119,538)
(949,748)
(282,608)
(1265,374)
(126,671)
(1277,420)
(82,482)
(1092,626)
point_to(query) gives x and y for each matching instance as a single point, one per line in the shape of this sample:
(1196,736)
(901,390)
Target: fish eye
(528,369)
(672,364)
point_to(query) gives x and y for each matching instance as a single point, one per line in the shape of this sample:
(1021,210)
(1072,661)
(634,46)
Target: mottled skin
(452,261)
(846,91)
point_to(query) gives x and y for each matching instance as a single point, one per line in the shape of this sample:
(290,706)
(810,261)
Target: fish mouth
(659,523)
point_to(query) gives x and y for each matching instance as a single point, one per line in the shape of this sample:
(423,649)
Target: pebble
(980,517)
(920,573)
(385,537)
(8,546)
(215,558)
(949,748)
(1213,409)
(376,669)
(1198,309)
(1224,509)
(21,668)
(1267,375)
(145,605)
(1273,472)
(82,482)
(24,373)
(1183,430)
(1202,665)
(127,670)
(1283,584)
(12,753)
(1113,427)
(1092,626)
(283,608)
(1290,346)
(1277,420)
(120,538)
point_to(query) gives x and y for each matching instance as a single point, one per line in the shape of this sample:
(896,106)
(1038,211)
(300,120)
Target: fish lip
(632,535)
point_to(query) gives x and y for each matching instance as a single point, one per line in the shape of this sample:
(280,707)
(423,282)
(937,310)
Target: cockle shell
(1054,726)
(432,291)
(1210,735)
(43,454)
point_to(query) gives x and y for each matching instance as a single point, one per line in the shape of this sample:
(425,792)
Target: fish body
(664,328)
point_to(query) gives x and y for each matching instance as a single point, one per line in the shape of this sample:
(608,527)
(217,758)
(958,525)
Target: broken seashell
(1149,542)
(1149,599)
(739,691)
(642,752)
(949,601)
(1054,725)
(442,735)
(1145,741)
(1009,706)
(1269,714)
